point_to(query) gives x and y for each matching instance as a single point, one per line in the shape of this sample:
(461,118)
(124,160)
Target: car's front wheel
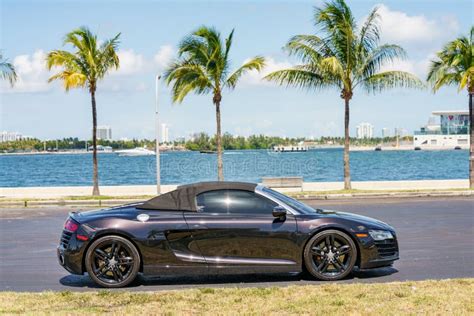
(330,255)
(112,261)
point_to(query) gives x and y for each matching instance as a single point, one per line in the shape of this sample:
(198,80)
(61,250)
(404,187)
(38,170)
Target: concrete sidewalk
(150,190)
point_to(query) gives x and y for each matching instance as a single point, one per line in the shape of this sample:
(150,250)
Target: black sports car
(223,228)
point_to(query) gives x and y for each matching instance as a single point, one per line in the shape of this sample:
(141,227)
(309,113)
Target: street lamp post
(158,178)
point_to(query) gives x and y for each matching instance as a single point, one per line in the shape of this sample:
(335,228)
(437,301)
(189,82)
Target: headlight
(380,234)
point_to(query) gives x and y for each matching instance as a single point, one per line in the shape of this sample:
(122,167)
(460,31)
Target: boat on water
(101,149)
(290,149)
(208,151)
(138,151)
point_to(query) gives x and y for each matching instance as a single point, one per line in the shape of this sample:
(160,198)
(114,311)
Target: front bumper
(377,254)
(70,253)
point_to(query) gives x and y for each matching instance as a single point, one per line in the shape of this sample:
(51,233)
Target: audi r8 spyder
(221,228)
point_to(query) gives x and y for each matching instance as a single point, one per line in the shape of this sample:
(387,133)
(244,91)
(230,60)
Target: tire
(112,261)
(330,263)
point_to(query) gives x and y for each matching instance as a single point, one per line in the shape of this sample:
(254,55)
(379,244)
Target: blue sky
(150,32)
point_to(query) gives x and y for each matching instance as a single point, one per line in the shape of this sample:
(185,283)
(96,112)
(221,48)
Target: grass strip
(453,297)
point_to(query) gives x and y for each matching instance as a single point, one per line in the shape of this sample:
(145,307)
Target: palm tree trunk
(347,170)
(220,171)
(471,147)
(95,190)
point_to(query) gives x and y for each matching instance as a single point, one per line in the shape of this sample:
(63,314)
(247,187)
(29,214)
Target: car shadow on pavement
(169,282)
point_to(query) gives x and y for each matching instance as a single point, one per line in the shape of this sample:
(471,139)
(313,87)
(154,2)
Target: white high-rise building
(104,132)
(385,132)
(365,130)
(10,136)
(165,133)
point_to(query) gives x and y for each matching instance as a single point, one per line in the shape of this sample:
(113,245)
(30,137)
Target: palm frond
(391,79)
(466,77)
(60,58)
(107,56)
(194,47)
(331,67)
(256,63)
(187,76)
(454,64)
(370,32)
(301,76)
(381,56)
(336,20)
(228,44)
(309,48)
(7,71)
(70,79)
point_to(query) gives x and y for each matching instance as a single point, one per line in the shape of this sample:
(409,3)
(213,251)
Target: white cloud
(164,56)
(32,74)
(256,78)
(399,27)
(130,62)
(417,67)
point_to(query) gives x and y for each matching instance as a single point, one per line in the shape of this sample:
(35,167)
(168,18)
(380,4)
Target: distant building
(10,136)
(400,132)
(365,130)
(452,130)
(385,132)
(104,132)
(164,133)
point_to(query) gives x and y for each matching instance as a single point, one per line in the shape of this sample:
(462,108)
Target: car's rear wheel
(330,255)
(112,261)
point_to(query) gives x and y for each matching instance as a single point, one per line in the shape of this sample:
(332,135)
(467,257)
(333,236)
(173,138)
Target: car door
(236,231)
(166,244)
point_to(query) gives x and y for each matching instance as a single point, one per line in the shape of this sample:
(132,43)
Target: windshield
(295,204)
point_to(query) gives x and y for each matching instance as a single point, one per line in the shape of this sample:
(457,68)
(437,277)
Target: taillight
(71,225)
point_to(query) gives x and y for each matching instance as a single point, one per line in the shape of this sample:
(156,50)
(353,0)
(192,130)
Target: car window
(295,204)
(234,202)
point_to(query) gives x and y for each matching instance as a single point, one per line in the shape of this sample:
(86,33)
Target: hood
(369,222)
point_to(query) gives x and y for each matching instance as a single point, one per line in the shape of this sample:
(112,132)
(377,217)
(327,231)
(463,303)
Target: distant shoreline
(353,148)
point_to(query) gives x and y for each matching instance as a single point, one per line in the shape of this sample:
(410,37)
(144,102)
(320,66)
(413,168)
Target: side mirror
(280,212)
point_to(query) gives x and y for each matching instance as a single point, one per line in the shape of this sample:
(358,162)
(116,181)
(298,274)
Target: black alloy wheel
(330,255)
(112,261)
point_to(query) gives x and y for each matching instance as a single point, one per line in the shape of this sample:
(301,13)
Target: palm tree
(84,67)
(7,70)
(203,67)
(345,58)
(454,65)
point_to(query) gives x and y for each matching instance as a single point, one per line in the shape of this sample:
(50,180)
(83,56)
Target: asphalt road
(435,237)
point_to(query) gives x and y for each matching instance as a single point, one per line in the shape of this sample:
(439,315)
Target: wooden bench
(283,182)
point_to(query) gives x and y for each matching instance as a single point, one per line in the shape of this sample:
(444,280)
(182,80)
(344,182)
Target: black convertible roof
(184,197)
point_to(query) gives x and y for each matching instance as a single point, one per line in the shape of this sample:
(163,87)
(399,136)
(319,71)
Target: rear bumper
(70,255)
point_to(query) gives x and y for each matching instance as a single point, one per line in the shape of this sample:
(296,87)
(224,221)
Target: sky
(150,32)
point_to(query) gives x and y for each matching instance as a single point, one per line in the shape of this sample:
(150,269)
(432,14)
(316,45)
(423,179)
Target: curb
(384,195)
(348,196)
